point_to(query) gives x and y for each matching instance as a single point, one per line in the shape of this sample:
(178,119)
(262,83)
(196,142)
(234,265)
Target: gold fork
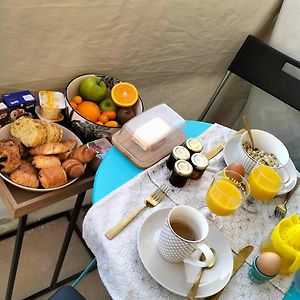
(153,200)
(281,210)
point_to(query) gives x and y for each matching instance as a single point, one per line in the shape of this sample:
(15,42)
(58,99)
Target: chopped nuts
(268,159)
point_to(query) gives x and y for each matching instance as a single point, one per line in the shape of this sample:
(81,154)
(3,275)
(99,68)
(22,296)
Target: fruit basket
(87,126)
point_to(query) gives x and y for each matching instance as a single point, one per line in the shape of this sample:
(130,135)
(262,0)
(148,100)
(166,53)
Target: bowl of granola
(268,149)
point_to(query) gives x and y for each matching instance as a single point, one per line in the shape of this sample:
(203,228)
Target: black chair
(262,83)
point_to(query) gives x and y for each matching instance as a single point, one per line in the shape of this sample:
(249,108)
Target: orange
(89,110)
(124,94)
(112,124)
(110,114)
(102,118)
(77,99)
(73,104)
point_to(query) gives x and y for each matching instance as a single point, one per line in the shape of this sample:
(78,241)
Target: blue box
(23,100)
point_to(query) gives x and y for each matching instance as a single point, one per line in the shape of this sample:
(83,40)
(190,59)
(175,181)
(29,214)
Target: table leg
(67,238)
(16,256)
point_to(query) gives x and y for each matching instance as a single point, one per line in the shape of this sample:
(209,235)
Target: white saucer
(231,155)
(173,276)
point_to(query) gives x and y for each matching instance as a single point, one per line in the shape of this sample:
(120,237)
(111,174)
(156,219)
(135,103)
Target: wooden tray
(144,159)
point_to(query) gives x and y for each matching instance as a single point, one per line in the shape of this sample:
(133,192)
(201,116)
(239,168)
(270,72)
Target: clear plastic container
(150,136)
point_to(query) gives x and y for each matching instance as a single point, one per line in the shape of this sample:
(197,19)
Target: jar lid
(179,152)
(193,145)
(200,161)
(183,168)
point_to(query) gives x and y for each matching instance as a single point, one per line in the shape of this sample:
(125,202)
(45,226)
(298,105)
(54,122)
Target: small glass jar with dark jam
(181,172)
(199,163)
(193,145)
(178,152)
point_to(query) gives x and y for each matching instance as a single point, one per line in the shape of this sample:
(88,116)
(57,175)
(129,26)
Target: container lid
(200,161)
(183,168)
(179,152)
(151,127)
(193,145)
(150,136)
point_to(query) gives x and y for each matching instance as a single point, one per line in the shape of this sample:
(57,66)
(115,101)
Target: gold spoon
(192,293)
(247,125)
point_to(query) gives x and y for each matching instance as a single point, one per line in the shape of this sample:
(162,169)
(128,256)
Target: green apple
(92,88)
(108,104)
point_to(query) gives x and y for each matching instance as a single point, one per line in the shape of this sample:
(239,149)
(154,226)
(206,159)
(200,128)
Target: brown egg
(237,168)
(268,263)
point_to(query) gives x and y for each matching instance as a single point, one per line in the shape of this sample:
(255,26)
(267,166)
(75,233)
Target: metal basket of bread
(41,156)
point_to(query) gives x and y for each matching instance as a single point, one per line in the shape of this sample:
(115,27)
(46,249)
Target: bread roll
(26,175)
(45,161)
(63,156)
(30,132)
(48,149)
(73,167)
(83,154)
(52,177)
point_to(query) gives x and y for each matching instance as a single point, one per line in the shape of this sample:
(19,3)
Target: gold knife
(238,261)
(215,151)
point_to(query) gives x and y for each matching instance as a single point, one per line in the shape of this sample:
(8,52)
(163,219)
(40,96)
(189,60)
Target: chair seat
(66,293)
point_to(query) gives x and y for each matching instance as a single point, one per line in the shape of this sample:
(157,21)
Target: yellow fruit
(89,110)
(77,99)
(112,124)
(124,94)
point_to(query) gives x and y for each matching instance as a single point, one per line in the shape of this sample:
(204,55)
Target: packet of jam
(19,104)
(4,115)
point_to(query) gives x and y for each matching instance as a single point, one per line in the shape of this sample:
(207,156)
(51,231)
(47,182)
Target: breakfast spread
(269,159)
(36,155)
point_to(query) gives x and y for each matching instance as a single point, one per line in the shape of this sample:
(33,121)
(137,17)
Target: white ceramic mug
(174,247)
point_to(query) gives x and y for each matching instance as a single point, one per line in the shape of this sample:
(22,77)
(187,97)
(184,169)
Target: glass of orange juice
(265,182)
(225,195)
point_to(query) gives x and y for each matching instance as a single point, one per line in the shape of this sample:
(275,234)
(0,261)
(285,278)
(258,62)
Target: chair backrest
(263,83)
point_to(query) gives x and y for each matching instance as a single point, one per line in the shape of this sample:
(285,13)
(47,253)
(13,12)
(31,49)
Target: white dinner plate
(231,154)
(173,276)
(68,135)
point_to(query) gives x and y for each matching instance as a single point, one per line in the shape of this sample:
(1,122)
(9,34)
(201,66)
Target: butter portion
(151,133)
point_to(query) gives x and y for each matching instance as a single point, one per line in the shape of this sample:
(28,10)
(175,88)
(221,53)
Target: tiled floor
(40,250)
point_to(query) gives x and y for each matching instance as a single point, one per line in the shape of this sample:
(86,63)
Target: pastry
(22,149)
(73,167)
(71,144)
(10,157)
(45,161)
(52,177)
(48,149)
(83,154)
(25,175)
(30,132)
(63,156)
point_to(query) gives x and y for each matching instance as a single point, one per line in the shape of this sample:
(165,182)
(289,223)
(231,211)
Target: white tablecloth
(119,264)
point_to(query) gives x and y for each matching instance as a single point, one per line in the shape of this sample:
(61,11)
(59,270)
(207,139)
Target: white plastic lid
(151,127)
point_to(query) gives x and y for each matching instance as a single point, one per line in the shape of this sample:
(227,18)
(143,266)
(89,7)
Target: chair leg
(86,270)
(214,96)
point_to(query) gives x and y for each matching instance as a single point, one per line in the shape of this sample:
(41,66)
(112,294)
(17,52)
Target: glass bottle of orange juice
(285,241)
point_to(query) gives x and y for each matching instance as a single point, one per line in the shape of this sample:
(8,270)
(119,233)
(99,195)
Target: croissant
(73,167)
(83,154)
(71,144)
(49,148)
(52,177)
(45,161)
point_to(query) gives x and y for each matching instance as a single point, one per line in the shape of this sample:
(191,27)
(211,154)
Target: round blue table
(116,169)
